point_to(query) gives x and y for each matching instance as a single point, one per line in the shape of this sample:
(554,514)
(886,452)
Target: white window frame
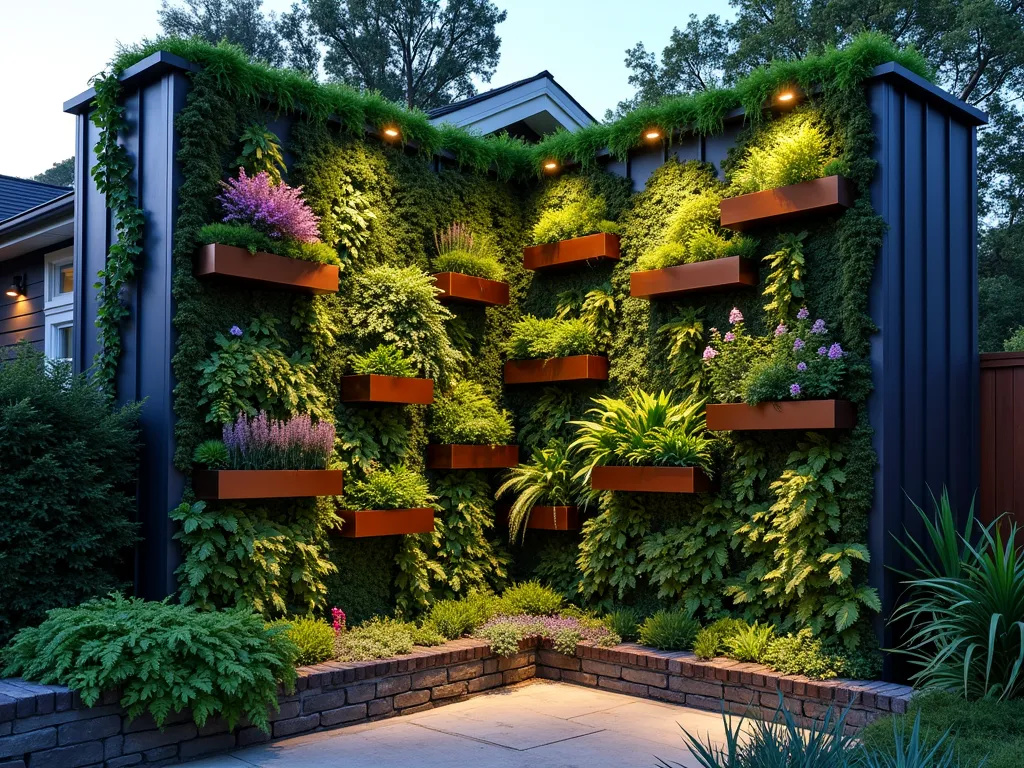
(58,308)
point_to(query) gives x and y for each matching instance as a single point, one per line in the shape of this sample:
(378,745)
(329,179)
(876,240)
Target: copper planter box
(821,197)
(472,456)
(650,479)
(716,274)
(363,523)
(266,483)
(796,414)
(572,252)
(371,388)
(544,518)
(574,368)
(265,270)
(456,286)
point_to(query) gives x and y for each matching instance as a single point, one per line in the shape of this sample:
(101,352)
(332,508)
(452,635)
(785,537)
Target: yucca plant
(965,608)
(912,753)
(643,430)
(548,478)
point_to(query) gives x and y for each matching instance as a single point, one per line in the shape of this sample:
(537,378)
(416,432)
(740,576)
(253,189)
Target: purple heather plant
(803,314)
(798,344)
(505,632)
(710,352)
(835,352)
(265,443)
(781,329)
(819,326)
(276,210)
(730,336)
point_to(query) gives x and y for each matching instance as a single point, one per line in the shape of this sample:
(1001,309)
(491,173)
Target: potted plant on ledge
(263,458)
(547,492)
(645,443)
(577,232)
(468,431)
(466,269)
(789,381)
(385,375)
(553,349)
(387,502)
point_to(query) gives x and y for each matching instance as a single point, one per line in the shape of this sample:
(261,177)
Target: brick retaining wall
(48,727)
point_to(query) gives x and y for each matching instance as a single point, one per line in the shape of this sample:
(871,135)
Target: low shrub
(505,632)
(475,264)
(711,640)
(624,622)
(530,597)
(669,631)
(384,360)
(791,150)
(67,490)
(244,236)
(985,730)
(534,338)
(575,219)
(804,654)
(1015,342)
(454,618)
(313,638)
(162,657)
(382,638)
(465,414)
(397,487)
(749,643)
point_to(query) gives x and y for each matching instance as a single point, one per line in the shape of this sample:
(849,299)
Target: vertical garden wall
(795,519)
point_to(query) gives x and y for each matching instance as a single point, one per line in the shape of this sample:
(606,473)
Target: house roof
(19,195)
(531,107)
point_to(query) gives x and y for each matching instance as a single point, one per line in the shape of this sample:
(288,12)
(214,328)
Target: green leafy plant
(711,641)
(548,419)
(252,240)
(249,372)
(384,360)
(784,286)
(1015,341)
(574,219)
(223,663)
(530,597)
(548,478)
(595,308)
(212,454)
(383,638)
(261,152)
(396,487)
(66,489)
(902,752)
(350,219)
(455,618)
(791,150)
(625,622)
(801,653)
(535,338)
(645,430)
(466,415)
(458,250)
(749,643)
(254,555)
(669,631)
(313,638)
(965,607)
(398,305)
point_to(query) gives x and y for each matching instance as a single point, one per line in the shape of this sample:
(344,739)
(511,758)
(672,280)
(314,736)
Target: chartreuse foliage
(313,638)
(163,658)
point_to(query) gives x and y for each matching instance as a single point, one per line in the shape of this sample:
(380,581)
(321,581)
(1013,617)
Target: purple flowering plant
(261,442)
(564,630)
(276,210)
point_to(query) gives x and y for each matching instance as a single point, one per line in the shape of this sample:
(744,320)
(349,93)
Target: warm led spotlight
(391,132)
(652,134)
(18,286)
(787,96)
(550,165)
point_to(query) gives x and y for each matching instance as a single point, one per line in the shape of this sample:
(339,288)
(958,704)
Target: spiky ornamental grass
(549,478)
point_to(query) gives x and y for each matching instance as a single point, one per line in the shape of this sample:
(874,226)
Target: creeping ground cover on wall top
(780,539)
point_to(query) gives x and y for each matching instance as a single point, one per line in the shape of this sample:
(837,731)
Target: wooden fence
(1002,435)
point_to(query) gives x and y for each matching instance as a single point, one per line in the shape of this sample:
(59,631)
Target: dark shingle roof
(18,195)
(448,108)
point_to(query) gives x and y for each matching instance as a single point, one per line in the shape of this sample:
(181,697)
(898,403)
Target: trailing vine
(112,174)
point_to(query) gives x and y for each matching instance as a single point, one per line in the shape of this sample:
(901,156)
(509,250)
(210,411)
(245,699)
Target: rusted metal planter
(574,368)
(364,523)
(266,483)
(568,253)
(717,274)
(265,270)
(371,388)
(820,197)
(472,456)
(466,289)
(650,479)
(795,414)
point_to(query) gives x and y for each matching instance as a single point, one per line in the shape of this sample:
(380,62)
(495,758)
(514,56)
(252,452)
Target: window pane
(67,279)
(63,350)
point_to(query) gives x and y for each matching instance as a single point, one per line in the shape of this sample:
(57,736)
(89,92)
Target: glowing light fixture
(550,165)
(391,132)
(786,96)
(18,285)
(653,134)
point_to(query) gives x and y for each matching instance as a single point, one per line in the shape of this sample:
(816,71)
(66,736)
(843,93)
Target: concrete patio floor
(536,723)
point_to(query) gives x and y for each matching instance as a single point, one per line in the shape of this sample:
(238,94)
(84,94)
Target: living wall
(783,538)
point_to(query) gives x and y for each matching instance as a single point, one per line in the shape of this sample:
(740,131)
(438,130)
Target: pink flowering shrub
(264,443)
(276,210)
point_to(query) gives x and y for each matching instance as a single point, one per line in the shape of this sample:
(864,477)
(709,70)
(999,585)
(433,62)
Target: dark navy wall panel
(144,372)
(924,408)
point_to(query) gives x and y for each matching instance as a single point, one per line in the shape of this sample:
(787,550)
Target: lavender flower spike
(798,344)
(835,352)
(819,326)
(803,314)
